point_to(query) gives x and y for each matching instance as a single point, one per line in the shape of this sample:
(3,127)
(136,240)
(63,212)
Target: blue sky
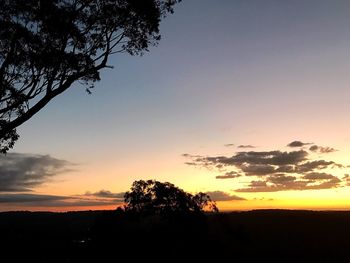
(245,72)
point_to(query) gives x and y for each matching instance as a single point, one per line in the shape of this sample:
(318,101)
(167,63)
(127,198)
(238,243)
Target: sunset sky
(246,100)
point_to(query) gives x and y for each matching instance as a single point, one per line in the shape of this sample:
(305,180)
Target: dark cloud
(252,158)
(229,175)
(271,157)
(106,194)
(222,196)
(313,148)
(285,169)
(318,176)
(281,179)
(31,198)
(256,186)
(242,146)
(219,166)
(270,171)
(321,149)
(346,179)
(40,200)
(229,145)
(298,144)
(190,163)
(281,182)
(257,169)
(271,188)
(22,172)
(189,155)
(332,183)
(318,164)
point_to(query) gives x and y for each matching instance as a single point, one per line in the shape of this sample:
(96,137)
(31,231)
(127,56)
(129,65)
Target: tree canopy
(156,197)
(47,45)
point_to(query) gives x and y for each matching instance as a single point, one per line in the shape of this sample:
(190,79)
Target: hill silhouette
(98,236)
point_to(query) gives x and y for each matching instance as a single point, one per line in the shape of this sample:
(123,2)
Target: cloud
(332,183)
(245,146)
(106,194)
(222,196)
(281,182)
(42,200)
(229,175)
(313,148)
(318,165)
(271,157)
(257,169)
(321,149)
(295,185)
(242,159)
(318,176)
(22,172)
(271,171)
(31,198)
(298,144)
(346,179)
(99,198)
(280,179)
(229,145)
(286,169)
(191,163)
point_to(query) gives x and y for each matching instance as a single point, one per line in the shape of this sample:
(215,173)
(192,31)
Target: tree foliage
(47,45)
(163,198)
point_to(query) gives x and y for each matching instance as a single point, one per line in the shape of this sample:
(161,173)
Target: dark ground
(104,236)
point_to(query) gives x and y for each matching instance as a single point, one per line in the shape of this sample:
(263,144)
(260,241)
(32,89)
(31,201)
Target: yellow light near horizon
(118,177)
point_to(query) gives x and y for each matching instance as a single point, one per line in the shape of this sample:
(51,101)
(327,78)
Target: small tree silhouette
(158,222)
(154,197)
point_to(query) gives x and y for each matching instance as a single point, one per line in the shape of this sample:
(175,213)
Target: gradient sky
(259,73)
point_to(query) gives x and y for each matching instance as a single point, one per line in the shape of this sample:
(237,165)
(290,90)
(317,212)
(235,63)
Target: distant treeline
(112,236)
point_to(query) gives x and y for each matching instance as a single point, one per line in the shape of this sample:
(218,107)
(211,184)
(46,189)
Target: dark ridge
(98,236)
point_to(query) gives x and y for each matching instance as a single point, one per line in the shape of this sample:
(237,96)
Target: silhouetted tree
(47,45)
(159,222)
(163,198)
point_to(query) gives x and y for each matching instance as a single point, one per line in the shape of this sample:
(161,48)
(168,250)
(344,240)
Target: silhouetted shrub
(157,217)
(153,197)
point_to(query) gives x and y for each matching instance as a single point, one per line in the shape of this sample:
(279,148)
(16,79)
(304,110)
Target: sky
(245,100)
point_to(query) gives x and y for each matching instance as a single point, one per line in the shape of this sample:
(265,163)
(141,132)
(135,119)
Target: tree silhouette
(163,198)
(47,45)
(159,222)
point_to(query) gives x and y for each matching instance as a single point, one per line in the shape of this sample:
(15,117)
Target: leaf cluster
(47,45)
(153,197)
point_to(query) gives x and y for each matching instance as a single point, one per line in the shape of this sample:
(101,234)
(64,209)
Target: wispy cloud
(241,159)
(242,146)
(30,198)
(105,194)
(283,182)
(298,144)
(22,172)
(99,198)
(223,196)
(229,175)
(320,149)
(346,179)
(318,176)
